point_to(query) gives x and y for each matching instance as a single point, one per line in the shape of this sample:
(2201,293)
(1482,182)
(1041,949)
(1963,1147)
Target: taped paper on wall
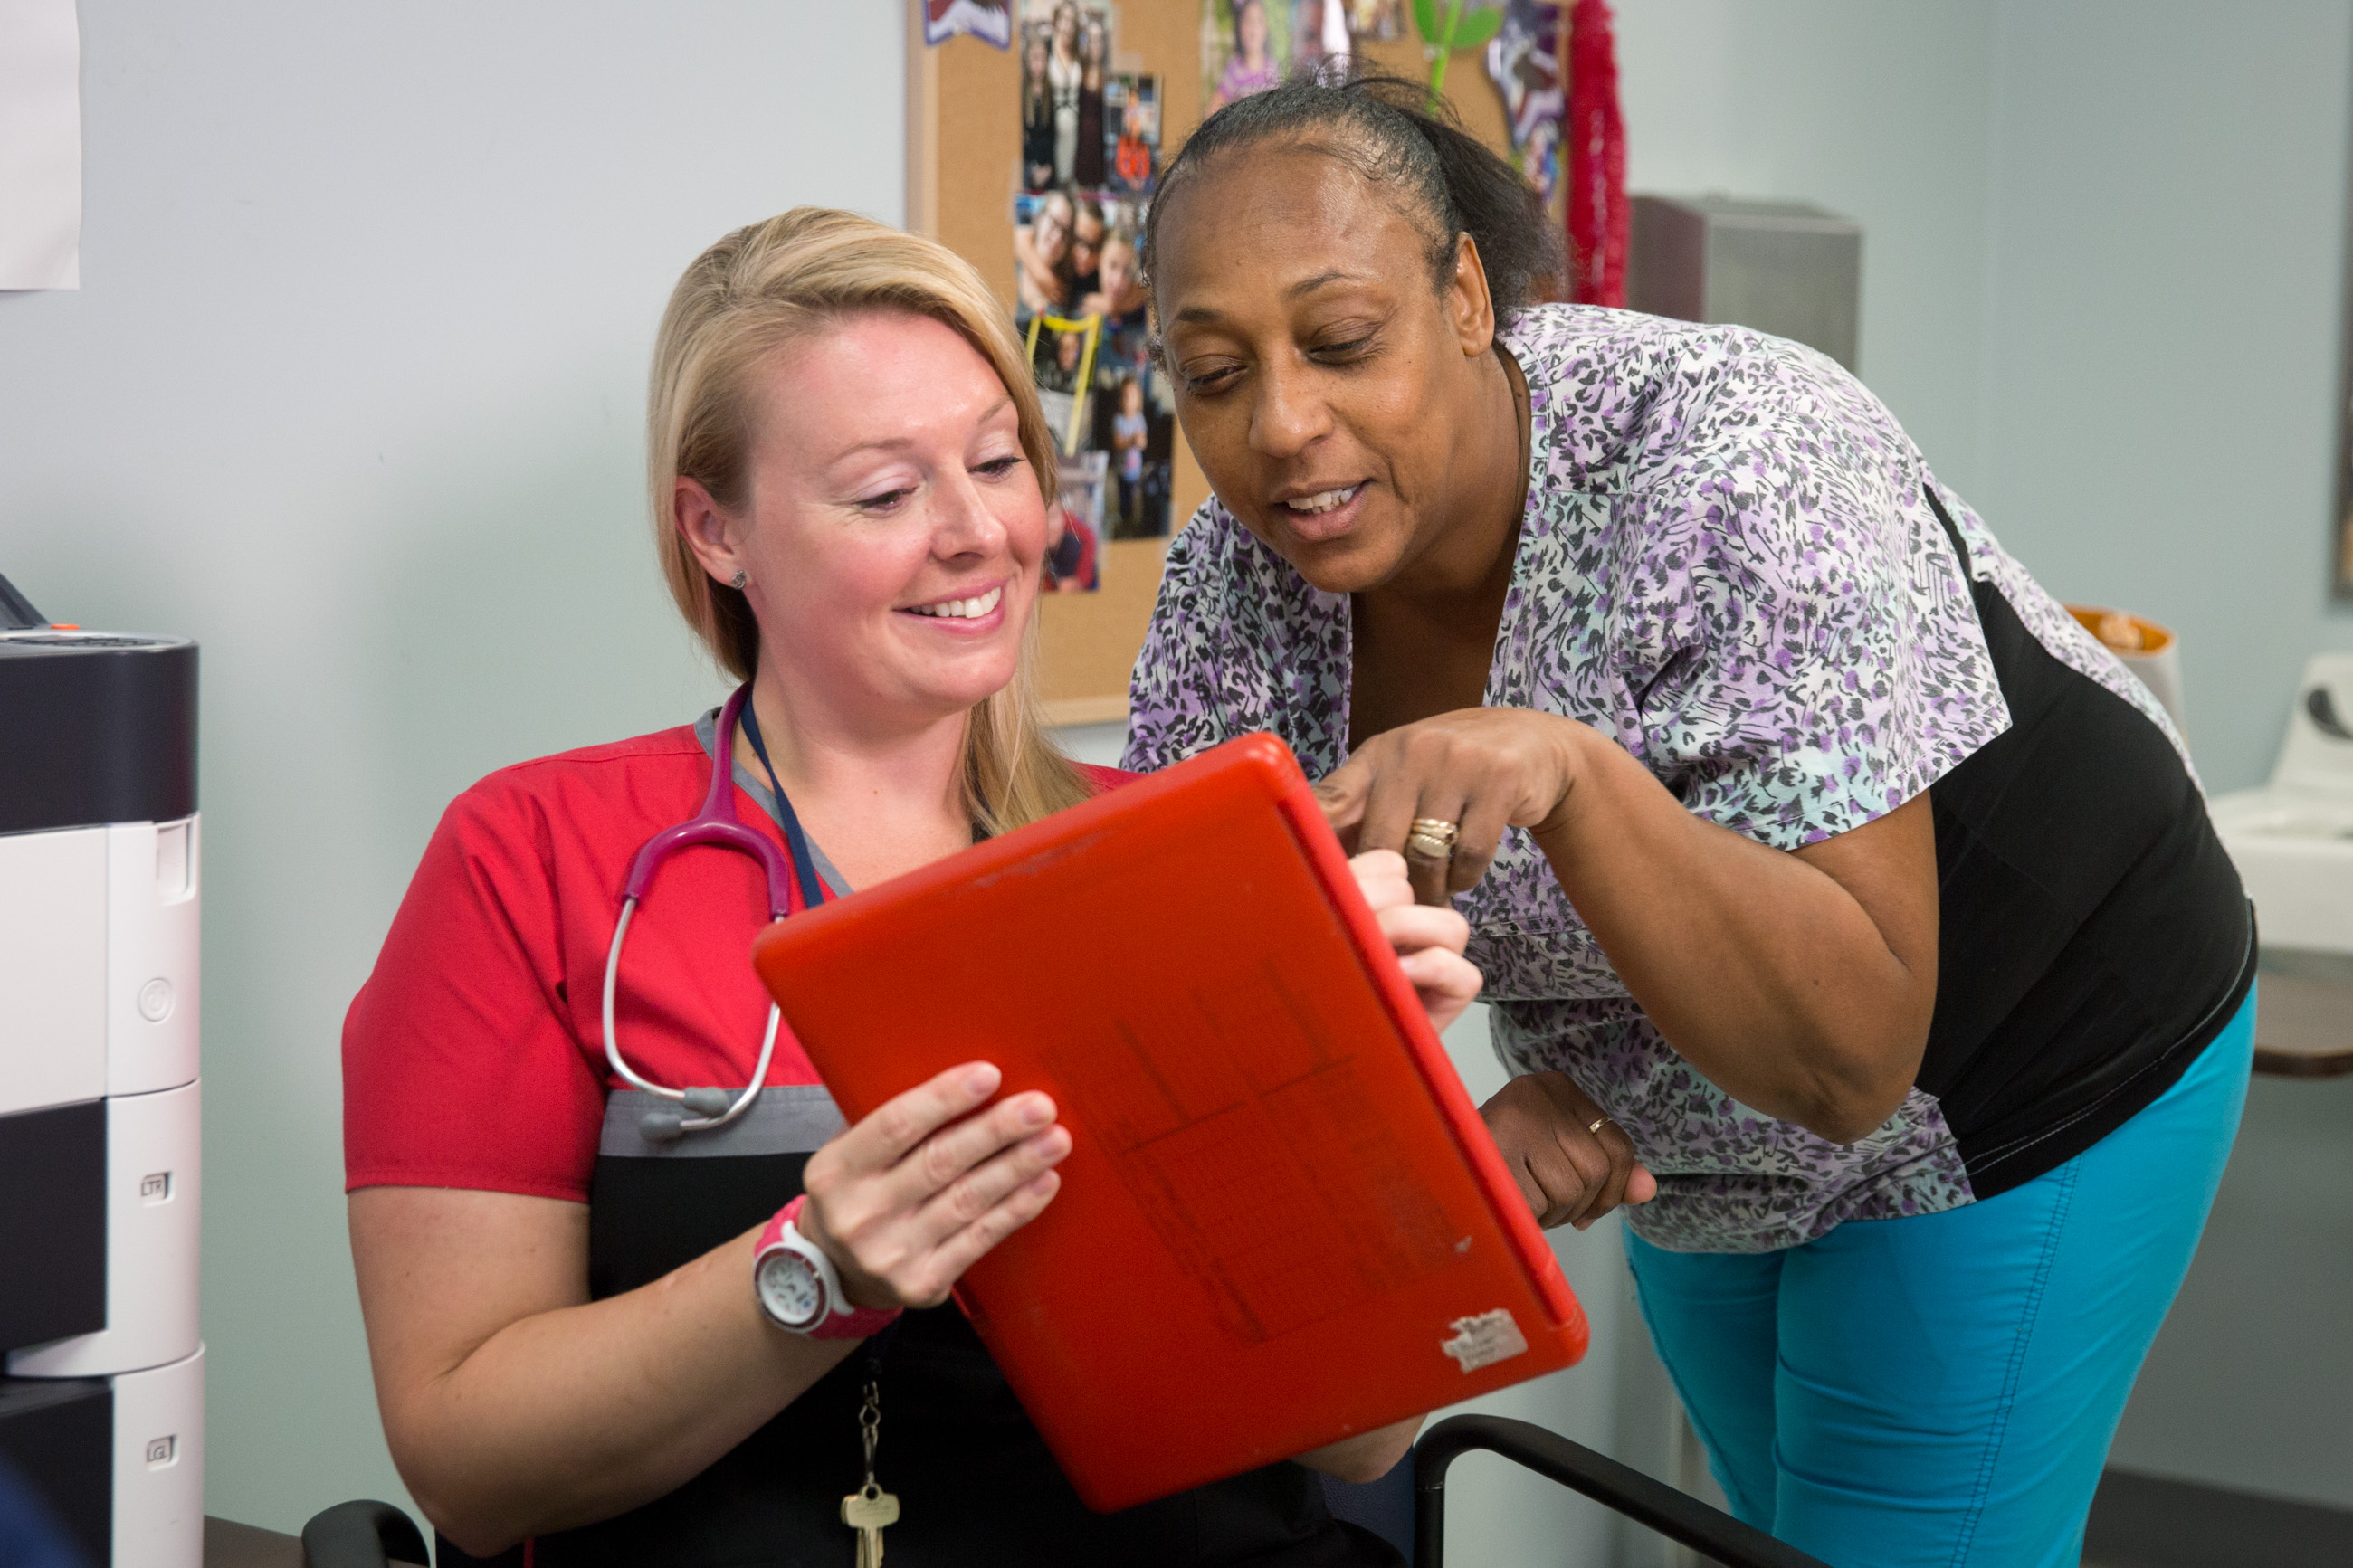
(40,145)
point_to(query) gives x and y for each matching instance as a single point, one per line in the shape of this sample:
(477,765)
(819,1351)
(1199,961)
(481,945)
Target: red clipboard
(1282,1221)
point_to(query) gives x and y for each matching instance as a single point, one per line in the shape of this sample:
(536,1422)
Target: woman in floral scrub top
(1845,909)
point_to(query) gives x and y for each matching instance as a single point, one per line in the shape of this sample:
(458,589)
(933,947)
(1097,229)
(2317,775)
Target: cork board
(963,132)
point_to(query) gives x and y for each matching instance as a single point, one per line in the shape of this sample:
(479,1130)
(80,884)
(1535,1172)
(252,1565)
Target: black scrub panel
(2093,937)
(975,1483)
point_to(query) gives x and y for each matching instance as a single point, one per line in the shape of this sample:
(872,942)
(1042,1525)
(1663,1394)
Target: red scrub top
(474,1055)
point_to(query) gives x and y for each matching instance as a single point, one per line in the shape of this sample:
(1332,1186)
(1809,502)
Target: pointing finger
(1342,795)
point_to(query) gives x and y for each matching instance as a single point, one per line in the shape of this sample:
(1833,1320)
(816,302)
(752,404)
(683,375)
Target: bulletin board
(964,166)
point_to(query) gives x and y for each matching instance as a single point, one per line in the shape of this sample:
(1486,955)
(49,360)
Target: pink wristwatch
(798,1288)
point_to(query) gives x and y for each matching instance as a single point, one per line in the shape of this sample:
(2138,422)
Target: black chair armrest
(364,1534)
(1675,1515)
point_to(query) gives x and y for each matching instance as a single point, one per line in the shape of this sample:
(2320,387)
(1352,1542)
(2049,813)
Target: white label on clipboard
(1484,1339)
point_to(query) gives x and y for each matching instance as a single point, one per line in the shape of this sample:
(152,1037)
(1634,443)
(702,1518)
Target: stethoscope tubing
(717,822)
(662,1126)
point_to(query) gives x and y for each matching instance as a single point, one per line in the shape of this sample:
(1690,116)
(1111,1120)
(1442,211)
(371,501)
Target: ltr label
(156,1186)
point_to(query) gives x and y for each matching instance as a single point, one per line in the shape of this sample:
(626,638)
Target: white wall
(352,391)
(2165,284)
(1876,112)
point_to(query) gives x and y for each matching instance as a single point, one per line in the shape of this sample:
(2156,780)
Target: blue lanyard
(804,863)
(812,895)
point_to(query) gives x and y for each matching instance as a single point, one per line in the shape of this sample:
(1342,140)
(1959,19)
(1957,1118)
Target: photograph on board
(1140,437)
(1319,32)
(1133,414)
(1045,276)
(1065,67)
(1073,561)
(1090,160)
(1081,310)
(1062,351)
(1376,21)
(1245,48)
(1132,112)
(990,21)
(1057,245)
(1524,62)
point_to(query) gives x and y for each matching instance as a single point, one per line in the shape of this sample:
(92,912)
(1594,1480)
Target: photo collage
(1089,155)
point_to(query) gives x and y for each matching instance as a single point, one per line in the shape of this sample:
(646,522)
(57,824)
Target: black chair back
(364,1534)
(1678,1516)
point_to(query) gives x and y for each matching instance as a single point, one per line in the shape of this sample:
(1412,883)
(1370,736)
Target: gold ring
(1599,1123)
(1431,838)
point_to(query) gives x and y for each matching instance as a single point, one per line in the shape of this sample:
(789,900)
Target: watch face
(790,1289)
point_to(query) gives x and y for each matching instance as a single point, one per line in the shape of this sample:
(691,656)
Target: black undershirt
(2093,936)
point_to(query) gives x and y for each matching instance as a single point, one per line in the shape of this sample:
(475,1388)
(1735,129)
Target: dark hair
(1379,126)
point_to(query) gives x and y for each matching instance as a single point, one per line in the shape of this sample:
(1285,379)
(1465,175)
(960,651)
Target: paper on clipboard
(40,145)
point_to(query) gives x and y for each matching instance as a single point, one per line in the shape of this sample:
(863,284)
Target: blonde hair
(770,284)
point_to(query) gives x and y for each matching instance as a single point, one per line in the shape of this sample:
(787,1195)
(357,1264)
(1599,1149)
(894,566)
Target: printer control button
(155,1000)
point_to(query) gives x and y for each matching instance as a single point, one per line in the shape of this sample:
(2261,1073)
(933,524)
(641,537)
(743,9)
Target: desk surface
(2304,1015)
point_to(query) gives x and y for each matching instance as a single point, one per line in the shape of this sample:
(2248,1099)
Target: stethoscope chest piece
(701,1109)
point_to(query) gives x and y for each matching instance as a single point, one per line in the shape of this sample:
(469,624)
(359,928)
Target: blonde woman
(851,482)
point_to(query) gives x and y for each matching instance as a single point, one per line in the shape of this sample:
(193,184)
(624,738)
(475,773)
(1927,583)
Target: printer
(2292,838)
(101,1407)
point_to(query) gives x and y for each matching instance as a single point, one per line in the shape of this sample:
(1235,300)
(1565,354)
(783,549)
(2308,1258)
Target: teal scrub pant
(1941,1389)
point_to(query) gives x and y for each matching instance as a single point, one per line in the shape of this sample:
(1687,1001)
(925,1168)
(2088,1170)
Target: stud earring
(737,581)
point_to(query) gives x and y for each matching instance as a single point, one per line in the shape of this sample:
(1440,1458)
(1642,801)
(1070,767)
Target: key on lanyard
(870,1509)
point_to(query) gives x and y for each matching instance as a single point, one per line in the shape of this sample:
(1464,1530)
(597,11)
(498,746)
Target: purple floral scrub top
(1727,565)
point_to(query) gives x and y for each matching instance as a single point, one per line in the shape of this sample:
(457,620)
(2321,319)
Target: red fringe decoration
(1593,161)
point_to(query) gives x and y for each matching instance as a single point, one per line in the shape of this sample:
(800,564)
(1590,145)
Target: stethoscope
(717,822)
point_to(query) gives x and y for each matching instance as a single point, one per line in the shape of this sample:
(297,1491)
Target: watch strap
(842,1321)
